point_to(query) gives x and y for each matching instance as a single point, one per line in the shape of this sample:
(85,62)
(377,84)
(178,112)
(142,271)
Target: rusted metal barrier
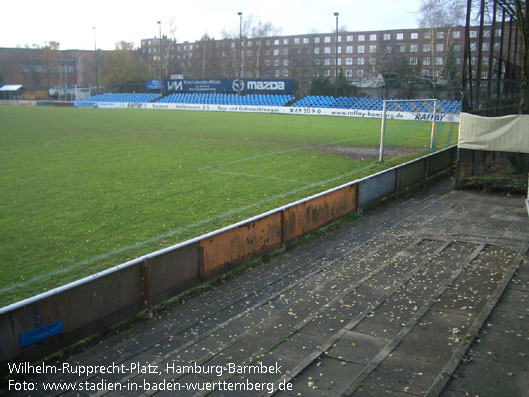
(108,297)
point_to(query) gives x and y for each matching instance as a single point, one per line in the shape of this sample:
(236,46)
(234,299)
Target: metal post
(161,66)
(336,14)
(95,54)
(432,137)
(382,132)
(47,72)
(147,291)
(467,76)
(240,53)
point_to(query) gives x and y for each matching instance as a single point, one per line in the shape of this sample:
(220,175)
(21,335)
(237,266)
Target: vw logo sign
(237,85)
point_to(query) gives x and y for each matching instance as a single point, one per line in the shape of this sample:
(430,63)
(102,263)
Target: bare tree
(440,17)
(256,31)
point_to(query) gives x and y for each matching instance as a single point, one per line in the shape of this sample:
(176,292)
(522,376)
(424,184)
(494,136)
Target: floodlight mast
(161,65)
(240,52)
(336,14)
(95,55)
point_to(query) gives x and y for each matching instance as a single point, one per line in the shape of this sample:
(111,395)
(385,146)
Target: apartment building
(428,53)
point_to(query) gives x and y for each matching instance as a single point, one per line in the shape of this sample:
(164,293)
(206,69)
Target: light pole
(336,54)
(47,72)
(95,55)
(240,52)
(161,66)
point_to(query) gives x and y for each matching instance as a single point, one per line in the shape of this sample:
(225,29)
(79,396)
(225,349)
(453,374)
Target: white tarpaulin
(501,134)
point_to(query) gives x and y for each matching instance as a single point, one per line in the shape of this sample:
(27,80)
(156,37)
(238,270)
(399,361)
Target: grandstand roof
(11,87)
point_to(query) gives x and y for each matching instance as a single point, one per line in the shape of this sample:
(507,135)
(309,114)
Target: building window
(425,73)
(402,48)
(360,49)
(349,38)
(484,75)
(285,62)
(427,35)
(348,73)
(327,50)
(317,50)
(387,36)
(285,51)
(348,61)
(360,72)
(339,61)
(326,61)
(327,39)
(326,73)
(372,49)
(426,48)
(473,33)
(438,61)
(360,61)
(276,62)
(306,40)
(276,42)
(440,35)
(485,46)
(372,61)
(285,73)
(296,41)
(317,61)
(267,62)
(456,34)
(349,49)
(339,39)
(439,47)
(373,37)
(316,40)
(414,48)
(400,36)
(426,61)
(361,37)
(276,73)
(389,49)
(413,61)
(414,35)
(473,46)
(285,41)
(339,50)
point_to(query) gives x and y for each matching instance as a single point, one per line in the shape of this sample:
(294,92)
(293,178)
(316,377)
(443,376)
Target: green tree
(344,88)
(123,69)
(321,86)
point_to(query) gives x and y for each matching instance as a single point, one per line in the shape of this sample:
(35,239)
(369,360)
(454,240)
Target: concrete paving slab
(380,306)
(356,347)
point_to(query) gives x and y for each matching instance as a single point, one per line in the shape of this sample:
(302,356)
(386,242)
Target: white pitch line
(260,156)
(259,176)
(176,231)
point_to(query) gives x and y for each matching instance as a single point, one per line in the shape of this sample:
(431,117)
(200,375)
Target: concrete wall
(106,298)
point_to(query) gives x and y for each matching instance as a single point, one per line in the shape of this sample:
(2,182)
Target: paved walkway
(398,302)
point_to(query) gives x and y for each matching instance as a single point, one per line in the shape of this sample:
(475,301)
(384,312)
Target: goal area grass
(83,190)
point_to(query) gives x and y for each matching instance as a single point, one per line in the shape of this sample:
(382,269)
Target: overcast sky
(28,22)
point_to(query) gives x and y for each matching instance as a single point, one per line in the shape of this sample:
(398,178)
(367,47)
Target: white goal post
(385,110)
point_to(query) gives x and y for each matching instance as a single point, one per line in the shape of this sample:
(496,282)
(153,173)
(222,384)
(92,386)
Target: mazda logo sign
(238,85)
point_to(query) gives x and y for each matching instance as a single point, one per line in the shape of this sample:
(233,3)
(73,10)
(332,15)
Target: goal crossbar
(383,125)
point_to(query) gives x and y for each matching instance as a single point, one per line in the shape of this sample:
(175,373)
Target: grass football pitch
(82,190)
